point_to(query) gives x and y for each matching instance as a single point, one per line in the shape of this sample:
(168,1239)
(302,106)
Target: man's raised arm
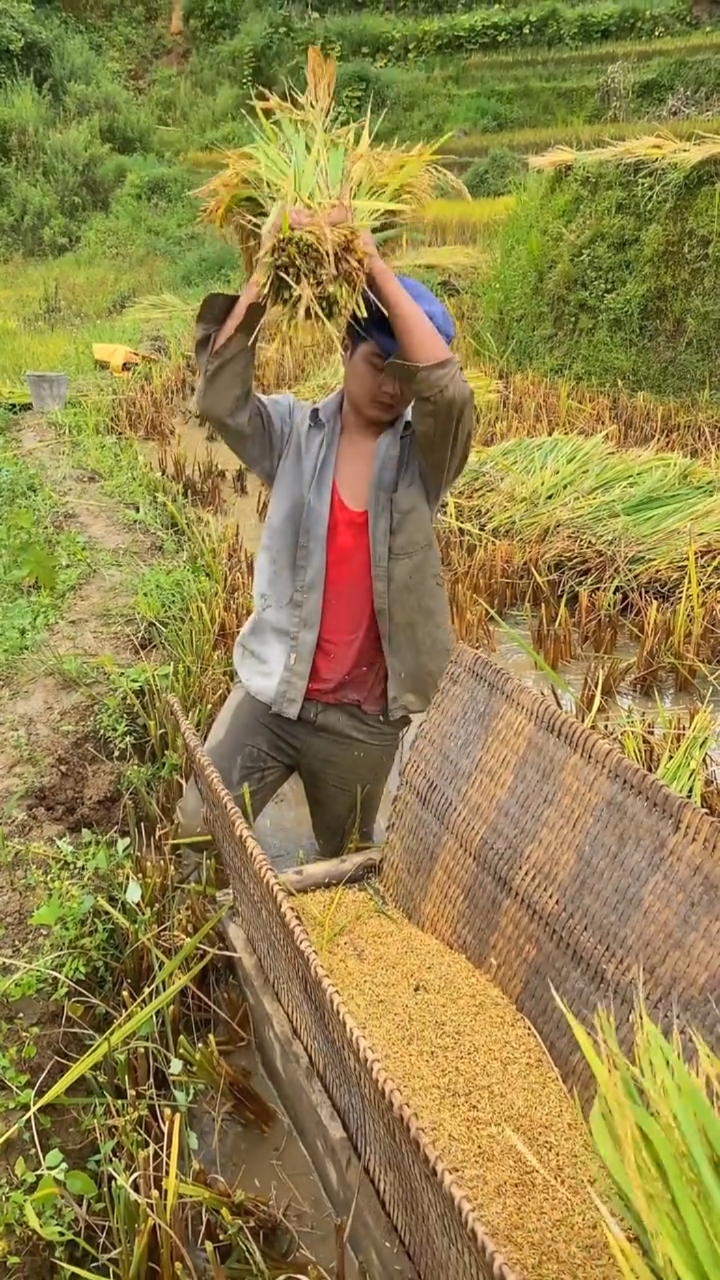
(443,405)
(255,427)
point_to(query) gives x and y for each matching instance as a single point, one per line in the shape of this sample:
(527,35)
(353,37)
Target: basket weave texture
(533,846)
(430,1212)
(537,849)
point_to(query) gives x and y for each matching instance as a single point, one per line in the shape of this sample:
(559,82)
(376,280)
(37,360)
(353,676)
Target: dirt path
(51,779)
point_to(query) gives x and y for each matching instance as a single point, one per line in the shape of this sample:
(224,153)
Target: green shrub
(208,263)
(52,177)
(152,212)
(266,51)
(383,38)
(214,21)
(154,215)
(399,7)
(358,85)
(25,46)
(121,121)
(612,276)
(697,77)
(495,174)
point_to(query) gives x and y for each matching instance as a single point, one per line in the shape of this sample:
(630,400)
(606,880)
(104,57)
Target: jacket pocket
(411,527)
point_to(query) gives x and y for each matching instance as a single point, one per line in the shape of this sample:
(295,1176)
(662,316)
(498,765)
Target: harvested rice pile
(477,1077)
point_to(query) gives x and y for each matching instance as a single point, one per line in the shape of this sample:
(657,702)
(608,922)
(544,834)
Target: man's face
(369,390)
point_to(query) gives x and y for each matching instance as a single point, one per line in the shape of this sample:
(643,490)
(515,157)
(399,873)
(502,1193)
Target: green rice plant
(674,745)
(656,1127)
(300,157)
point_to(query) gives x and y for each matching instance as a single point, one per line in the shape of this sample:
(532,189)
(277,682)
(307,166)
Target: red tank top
(349,664)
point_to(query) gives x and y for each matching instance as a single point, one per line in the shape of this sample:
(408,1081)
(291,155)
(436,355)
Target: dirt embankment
(52,778)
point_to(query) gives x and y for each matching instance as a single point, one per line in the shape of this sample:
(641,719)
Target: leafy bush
(212,21)
(25,47)
(358,85)
(266,51)
(121,122)
(612,275)
(153,214)
(495,174)
(550,24)
(400,7)
(698,77)
(51,177)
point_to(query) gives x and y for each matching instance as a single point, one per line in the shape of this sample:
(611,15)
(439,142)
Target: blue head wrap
(375,326)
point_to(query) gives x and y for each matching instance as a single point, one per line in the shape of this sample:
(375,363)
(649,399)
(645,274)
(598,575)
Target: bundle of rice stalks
(301,158)
(657,148)
(598,536)
(590,514)
(656,1127)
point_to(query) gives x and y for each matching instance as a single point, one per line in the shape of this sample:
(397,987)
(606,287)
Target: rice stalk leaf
(655,1126)
(126,1027)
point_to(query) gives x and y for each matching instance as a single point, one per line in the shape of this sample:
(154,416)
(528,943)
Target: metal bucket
(49,391)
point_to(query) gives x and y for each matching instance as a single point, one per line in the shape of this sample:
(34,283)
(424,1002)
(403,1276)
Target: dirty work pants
(343,757)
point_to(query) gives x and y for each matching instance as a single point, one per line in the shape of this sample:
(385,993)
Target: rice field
(461,222)
(528,405)
(590,538)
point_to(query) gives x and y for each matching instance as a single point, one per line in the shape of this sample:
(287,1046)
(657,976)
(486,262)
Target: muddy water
(193,441)
(275,1167)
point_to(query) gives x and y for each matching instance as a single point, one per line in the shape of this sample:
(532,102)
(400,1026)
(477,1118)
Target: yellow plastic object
(116,355)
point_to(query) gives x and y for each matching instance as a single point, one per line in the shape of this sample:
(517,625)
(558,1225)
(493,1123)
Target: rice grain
(477,1077)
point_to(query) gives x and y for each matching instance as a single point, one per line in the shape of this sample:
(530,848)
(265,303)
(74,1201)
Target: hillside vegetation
(102,110)
(612,275)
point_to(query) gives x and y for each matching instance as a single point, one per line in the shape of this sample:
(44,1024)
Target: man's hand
(337,217)
(297,218)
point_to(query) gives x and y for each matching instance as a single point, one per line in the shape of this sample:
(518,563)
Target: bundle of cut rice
(655,149)
(300,157)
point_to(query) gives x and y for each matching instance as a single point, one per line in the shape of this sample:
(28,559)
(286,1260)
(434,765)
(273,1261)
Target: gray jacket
(291,446)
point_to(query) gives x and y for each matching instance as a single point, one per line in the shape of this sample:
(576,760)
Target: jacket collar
(328,412)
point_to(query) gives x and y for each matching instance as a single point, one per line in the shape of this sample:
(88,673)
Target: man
(351,628)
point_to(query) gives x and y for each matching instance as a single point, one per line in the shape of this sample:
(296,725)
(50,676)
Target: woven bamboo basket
(535,848)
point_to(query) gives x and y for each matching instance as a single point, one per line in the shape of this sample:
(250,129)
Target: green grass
(115,949)
(71,937)
(610,276)
(40,561)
